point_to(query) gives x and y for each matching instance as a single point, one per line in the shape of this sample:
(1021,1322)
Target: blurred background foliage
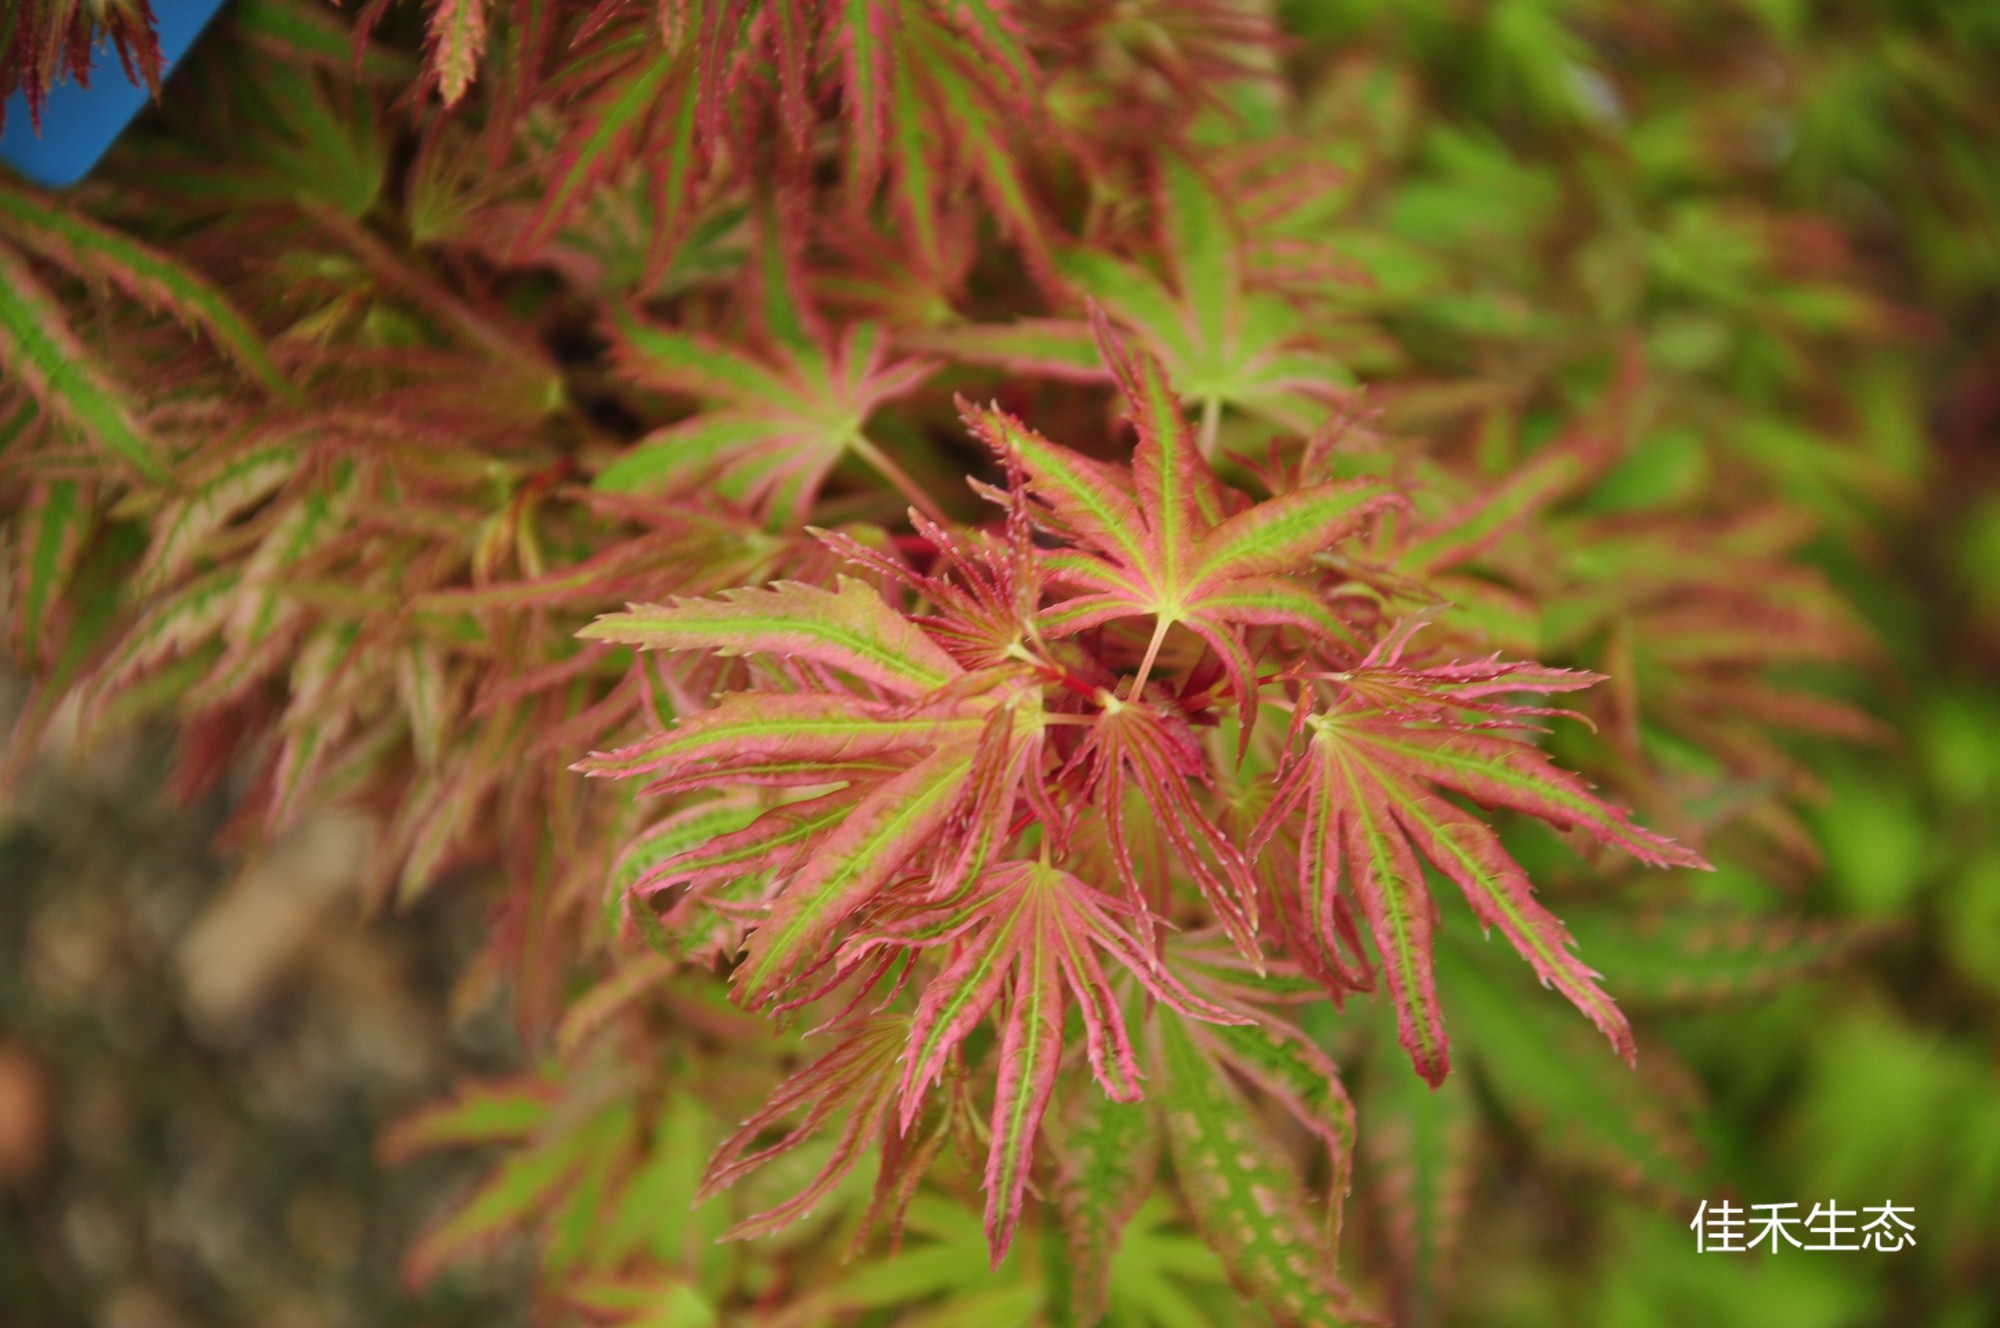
(1793,209)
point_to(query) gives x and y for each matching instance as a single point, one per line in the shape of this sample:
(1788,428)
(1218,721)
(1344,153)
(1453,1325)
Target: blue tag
(80,124)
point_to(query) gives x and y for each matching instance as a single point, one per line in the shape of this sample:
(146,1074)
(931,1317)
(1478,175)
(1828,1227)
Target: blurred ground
(195,1058)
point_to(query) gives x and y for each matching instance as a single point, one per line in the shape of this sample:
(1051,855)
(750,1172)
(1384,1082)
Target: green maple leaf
(1224,343)
(770,431)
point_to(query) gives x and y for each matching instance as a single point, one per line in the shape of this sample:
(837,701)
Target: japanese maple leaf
(1175,545)
(858,1076)
(1224,343)
(1135,748)
(932,770)
(770,432)
(1134,752)
(1370,777)
(937,97)
(1700,622)
(1030,933)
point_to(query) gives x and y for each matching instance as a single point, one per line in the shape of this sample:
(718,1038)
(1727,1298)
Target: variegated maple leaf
(771,432)
(1032,932)
(1377,753)
(856,1077)
(1172,543)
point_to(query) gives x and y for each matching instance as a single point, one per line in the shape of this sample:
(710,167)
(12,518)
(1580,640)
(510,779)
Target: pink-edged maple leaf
(46,41)
(1030,933)
(1171,542)
(1138,749)
(1379,751)
(771,430)
(936,97)
(985,591)
(857,1077)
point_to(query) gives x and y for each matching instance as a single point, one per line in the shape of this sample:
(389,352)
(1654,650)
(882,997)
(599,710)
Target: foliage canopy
(1331,430)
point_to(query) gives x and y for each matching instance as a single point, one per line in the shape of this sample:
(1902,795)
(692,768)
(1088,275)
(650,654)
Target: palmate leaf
(970,120)
(1223,344)
(531,1183)
(1031,934)
(983,592)
(1369,778)
(910,771)
(1696,958)
(997,716)
(1418,1143)
(1141,756)
(772,432)
(671,836)
(616,119)
(935,97)
(1287,1065)
(1163,1275)
(578,1165)
(855,1079)
(43,41)
(1699,620)
(1175,546)
(279,140)
(892,824)
(1580,1106)
(657,1213)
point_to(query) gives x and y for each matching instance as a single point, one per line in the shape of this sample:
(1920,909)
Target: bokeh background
(1793,206)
